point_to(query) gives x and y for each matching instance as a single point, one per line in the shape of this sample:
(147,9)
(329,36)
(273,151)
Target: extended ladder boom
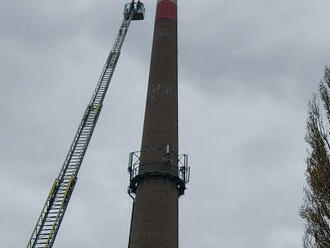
(49,221)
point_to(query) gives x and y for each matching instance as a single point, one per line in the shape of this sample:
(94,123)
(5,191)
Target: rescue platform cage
(180,174)
(137,8)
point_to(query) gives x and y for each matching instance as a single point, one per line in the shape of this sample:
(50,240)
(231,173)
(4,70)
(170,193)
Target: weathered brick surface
(155,219)
(155,216)
(161,114)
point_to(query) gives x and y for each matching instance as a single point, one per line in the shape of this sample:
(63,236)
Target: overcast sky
(246,72)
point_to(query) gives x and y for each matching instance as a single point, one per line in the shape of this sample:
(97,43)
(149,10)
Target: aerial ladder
(49,221)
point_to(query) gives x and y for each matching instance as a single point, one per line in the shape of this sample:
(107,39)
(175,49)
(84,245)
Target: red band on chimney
(166,9)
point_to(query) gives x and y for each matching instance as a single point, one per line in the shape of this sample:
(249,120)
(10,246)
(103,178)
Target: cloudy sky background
(246,71)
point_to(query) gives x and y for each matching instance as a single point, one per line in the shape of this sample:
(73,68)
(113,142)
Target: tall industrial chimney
(158,174)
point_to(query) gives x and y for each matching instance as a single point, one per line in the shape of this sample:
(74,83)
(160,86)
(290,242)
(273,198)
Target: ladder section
(49,221)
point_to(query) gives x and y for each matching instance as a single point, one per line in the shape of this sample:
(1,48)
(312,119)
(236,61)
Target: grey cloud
(246,72)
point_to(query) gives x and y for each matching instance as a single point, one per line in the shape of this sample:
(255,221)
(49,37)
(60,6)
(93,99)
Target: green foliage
(316,206)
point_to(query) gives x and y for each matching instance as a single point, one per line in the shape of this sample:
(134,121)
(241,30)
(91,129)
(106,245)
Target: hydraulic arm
(49,221)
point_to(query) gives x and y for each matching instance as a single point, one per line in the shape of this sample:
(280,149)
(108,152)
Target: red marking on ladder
(166,9)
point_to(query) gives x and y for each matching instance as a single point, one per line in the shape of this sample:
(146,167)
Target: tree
(316,205)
